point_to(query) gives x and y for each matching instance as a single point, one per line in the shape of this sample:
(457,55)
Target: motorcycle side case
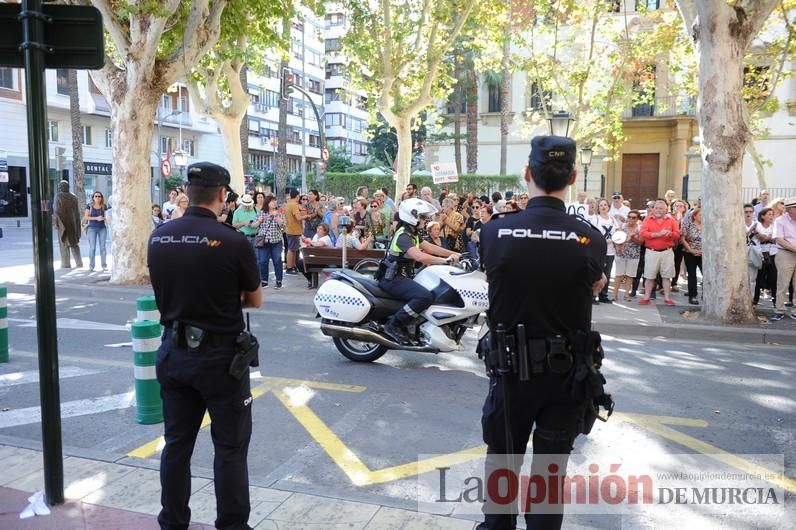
(336,300)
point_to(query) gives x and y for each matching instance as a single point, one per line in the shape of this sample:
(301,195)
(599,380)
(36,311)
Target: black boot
(394,328)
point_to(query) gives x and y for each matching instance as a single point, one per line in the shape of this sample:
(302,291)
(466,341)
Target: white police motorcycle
(353,310)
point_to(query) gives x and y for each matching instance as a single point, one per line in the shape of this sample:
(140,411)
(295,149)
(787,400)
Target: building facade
(176,126)
(661,149)
(303,130)
(346,116)
(315,62)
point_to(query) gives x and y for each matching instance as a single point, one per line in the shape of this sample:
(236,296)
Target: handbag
(754,256)
(259,241)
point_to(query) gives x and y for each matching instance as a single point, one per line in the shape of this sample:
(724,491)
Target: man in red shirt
(660,233)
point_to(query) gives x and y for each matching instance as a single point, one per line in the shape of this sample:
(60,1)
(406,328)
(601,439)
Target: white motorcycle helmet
(411,210)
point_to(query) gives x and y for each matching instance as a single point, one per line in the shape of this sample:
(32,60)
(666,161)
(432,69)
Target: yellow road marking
(352,466)
(156,445)
(668,420)
(657,425)
(350,463)
(279,382)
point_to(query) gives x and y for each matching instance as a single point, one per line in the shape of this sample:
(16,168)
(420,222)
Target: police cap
(208,175)
(546,149)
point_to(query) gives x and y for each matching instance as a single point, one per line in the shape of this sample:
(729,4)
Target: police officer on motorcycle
(398,267)
(543,267)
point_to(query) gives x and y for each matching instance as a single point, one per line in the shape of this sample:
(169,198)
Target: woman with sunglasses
(376,223)
(628,255)
(97,229)
(472,228)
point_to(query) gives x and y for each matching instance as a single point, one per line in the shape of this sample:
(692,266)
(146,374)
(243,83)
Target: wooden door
(640,178)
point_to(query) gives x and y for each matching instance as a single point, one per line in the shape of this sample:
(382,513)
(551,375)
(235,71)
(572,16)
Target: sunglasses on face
(476,207)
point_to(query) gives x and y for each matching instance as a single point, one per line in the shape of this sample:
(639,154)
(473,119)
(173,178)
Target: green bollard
(146,340)
(147,309)
(3,325)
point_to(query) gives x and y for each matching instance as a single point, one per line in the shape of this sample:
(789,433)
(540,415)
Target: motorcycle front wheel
(359,351)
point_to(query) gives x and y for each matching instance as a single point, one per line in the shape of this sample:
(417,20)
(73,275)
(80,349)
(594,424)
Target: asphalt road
(323,424)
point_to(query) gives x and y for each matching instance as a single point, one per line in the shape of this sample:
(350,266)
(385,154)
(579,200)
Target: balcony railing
(170,116)
(663,107)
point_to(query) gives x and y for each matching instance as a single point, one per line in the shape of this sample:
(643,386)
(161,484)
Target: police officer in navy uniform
(203,273)
(543,267)
(398,267)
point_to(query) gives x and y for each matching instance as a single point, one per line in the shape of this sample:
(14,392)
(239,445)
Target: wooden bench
(316,259)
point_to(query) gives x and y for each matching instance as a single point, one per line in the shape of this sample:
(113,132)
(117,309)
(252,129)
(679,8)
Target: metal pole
(160,162)
(33,52)
(585,177)
(303,111)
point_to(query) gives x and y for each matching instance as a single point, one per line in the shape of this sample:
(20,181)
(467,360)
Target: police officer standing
(543,267)
(203,273)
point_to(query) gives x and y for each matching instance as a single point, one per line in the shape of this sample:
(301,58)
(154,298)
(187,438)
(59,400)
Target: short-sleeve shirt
(95,212)
(325,239)
(405,241)
(241,215)
(311,223)
(607,226)
(541,264)
(785,228)
(198,268)
(293,224)
(168,208)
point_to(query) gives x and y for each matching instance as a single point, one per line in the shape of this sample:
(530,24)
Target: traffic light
(288,79)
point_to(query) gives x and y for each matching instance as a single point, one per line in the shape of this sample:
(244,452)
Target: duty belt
(184,335)
(506,353)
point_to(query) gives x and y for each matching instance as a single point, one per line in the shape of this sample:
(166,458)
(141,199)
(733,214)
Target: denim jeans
(273,252)
(96,235)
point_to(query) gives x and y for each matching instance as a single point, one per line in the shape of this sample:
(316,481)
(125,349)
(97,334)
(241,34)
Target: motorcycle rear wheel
(358,351)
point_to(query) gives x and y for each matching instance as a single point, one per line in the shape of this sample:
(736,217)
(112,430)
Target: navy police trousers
(192,383)
(545,406)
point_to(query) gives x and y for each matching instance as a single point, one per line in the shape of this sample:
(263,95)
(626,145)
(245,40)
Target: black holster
(247,351)
(589,382)
(188,337)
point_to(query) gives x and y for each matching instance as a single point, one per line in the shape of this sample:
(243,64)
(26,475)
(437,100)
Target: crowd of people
(651,250)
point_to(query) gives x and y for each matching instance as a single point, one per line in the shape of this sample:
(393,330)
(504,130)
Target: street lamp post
(585,159)
(560,122)
(160,151)
(180,159)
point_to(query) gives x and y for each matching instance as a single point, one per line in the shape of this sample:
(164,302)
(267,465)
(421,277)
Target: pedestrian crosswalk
(80,382)
(32,376)
(69,409)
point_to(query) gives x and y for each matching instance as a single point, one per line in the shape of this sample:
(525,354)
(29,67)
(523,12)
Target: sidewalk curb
(700,332)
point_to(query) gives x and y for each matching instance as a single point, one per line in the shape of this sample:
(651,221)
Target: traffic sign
(325,154)
(73,36)
(165,168)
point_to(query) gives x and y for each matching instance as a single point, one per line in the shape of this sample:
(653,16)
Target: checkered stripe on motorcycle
(339,299)
(478,299)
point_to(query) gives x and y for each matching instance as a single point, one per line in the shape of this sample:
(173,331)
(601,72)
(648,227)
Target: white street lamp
(560,123)
(585,159)
(180,158)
